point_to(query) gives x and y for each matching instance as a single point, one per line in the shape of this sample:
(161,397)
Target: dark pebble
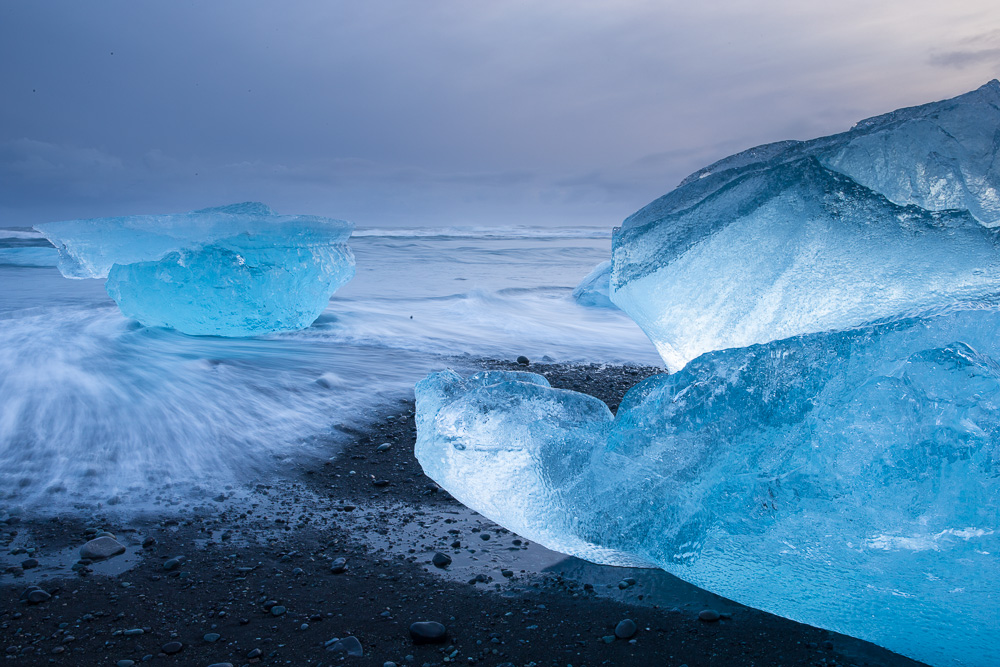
(27,592)
(38,595)
(172,647)
(441,560)
(338,565)
(278,610)
(349,645)
(256,653)
(101,547)
(29,564)
(428,632)
(626,629)
(709,615)
(523,360)
(173,563)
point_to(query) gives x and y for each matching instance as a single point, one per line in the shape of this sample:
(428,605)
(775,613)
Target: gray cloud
(441,112)
(960,59)
(976,51)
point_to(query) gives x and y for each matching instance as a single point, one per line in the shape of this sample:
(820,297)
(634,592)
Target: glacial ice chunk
(894,216)
(594,289)
(238,270)
(849,480)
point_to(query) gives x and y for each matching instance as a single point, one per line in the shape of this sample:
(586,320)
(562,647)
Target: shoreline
(256,572)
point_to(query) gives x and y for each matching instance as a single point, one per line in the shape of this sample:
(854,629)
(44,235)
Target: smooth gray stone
(626,629)
(428,632)
(349,645)
(101,548)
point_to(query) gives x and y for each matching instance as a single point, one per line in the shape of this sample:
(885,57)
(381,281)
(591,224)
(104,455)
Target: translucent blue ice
(848,480)
(894,216)
(594,289)
(238,270)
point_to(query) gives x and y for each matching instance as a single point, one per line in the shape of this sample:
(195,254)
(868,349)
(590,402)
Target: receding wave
(525,232)
(19,233)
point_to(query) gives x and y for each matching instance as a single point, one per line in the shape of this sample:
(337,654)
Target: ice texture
(594,289)
(849,480)
(894,216)
(238,270)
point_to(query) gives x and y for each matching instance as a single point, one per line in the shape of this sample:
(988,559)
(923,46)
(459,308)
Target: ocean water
(96,409)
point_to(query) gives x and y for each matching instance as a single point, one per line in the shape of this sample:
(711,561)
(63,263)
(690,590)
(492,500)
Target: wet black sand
(249,553)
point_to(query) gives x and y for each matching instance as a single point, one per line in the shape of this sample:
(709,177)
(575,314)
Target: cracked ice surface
(238,270)
(897,215)
(849,480)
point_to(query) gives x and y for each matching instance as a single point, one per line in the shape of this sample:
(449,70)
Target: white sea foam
(94,407)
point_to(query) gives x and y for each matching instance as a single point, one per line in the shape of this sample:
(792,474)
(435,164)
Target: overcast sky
(443,113)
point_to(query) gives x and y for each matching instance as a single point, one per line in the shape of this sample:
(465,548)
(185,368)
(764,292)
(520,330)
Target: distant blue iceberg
(239,270)
(848,480)
(894,216)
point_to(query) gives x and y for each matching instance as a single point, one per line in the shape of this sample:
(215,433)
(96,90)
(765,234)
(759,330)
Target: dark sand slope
(255,585)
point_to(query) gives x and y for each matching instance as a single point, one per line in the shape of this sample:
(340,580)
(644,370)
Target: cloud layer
(443,112)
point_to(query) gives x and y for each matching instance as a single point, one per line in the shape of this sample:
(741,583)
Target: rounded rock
(338,565)
(523,360)
(428,632)
(441,560)
(36,596)
(626,629)
(172,647)
(349,645)
(278,610)
(101,548)
(173,563)
(709,615)
(27,591)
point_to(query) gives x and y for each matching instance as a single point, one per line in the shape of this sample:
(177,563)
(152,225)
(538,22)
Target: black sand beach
(249,576)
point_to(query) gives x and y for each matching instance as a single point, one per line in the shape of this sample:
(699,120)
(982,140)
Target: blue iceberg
(828,445)
(895,216)
(849,480)
(594,290)
(239,270)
